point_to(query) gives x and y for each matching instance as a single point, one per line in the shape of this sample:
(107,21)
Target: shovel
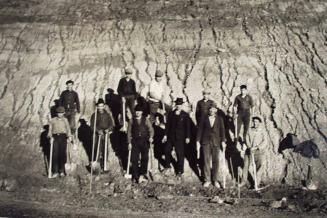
(50,159)
(254,173)
(69,166)
(124,129)
(93,142)
(95,164)
(224,169)
(105,167)
(127,175)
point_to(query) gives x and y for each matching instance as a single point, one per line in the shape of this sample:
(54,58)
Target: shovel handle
(105,151)
(128,161)
(254,172)
(224,169)
(50,159)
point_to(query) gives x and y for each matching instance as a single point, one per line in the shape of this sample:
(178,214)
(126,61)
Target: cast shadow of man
(45,146)
(85,136)
(114,102)
(232,155)
(53,108)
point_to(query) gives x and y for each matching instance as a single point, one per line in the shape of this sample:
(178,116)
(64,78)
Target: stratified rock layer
(277,48)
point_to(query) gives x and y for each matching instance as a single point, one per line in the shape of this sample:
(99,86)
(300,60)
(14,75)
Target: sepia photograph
(163,108)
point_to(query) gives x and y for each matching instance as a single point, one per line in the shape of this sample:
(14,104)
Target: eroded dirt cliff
(277,48)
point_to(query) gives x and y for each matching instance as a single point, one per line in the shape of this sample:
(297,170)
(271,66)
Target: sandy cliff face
(277,48)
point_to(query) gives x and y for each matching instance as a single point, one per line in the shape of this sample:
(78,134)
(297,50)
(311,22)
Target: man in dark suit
(177,135)
(211,135)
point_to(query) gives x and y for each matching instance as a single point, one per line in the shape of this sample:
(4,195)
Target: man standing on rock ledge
(243,106)
(127,90)
(202,107)
(156,94)
(59,130)
(70,101)
(178,132)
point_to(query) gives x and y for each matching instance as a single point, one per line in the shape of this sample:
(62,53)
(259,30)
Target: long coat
(207,134)
(178,128)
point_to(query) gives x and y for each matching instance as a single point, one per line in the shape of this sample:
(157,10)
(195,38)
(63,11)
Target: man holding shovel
(255,152)
(104,125)
(60,131)
(211,135)
(140,138)
(127,90)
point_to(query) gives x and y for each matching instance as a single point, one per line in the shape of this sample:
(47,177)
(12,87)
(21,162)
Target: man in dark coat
(211,135)
(104,125)
(140,137)
(202,107)
(127,90)
(70,101)
(243,106)
(178,133)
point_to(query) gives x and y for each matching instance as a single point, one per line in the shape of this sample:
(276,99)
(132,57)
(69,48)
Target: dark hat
(60,109)
(69,81)
(128,71)
(138,107)
(100,101)
(213,105)
(109,90)
(257,118)
(158,73)
(206,91)
(243,87)
(179,101)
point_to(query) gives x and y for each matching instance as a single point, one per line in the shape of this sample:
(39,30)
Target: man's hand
(100,132)
(224,145)
(150,140)
(123,99)
(198,145)
(187,140)
(164,139)
(129,146)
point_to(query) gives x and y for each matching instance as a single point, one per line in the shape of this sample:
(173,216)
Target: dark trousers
(59,155)
(211,153)
(179,150)
(154,106)
(70,115)
(130,103)
(140,146)
(101,149)
(243,118)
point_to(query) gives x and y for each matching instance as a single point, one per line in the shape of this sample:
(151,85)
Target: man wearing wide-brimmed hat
(178,131)
(127,90)
(140,137)
(156,94)
(60,130)
(202,107)
(104,125)
(211,135)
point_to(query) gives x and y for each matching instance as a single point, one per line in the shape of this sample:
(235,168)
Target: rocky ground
(277,48)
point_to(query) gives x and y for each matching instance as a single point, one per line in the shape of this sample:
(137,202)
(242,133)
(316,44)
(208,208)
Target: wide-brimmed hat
(100,101)
(179,101)
(213,105)
(60,109)
(138,107)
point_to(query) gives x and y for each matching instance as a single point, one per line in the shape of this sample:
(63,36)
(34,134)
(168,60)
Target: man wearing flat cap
(256,147)
(211,135)
(70,101)
(127,90)
(178,132)
(156,94)
(202,107)
(104,125)
(60,131)
(140,137)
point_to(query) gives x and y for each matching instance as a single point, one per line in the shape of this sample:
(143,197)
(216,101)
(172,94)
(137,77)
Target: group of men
(143,121)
